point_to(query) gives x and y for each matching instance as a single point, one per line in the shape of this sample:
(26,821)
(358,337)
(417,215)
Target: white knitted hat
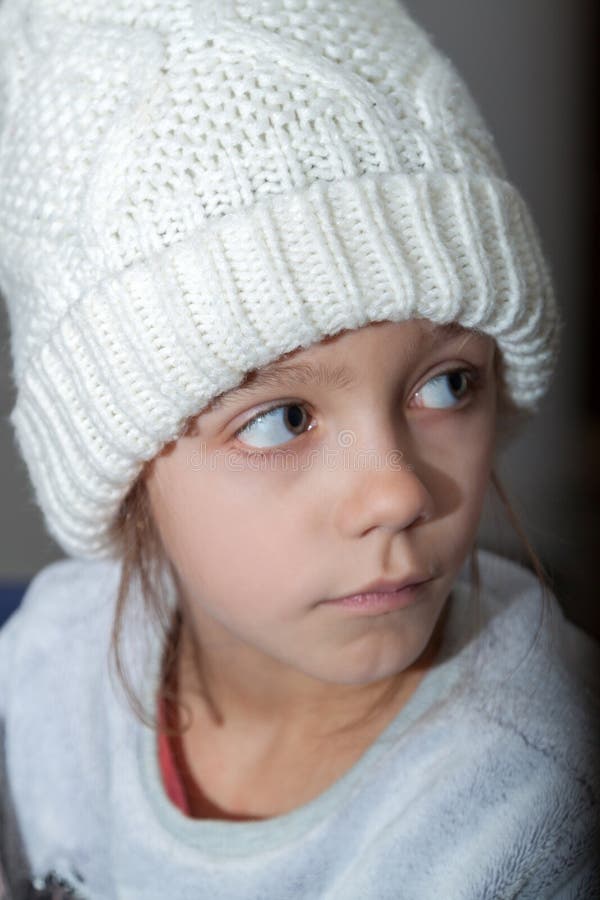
(191,188)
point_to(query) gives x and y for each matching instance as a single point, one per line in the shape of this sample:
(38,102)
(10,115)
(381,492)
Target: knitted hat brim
(139,353)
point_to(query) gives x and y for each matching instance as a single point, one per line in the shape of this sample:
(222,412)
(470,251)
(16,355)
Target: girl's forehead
(410,338)
(410,335)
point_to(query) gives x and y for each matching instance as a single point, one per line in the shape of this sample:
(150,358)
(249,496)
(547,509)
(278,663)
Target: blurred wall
(528,64)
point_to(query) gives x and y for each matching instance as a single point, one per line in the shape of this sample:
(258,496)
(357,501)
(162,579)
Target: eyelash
(474,377)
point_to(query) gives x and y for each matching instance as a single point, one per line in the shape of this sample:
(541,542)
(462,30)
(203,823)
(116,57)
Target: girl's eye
(273,426)
(282,423)
(442,391)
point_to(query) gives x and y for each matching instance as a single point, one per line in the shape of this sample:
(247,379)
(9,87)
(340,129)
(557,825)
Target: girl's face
(360,458)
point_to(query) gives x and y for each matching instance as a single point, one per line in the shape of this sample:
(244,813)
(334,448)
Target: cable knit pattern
(191,188)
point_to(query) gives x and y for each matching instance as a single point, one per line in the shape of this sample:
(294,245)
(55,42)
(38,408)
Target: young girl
(275,310)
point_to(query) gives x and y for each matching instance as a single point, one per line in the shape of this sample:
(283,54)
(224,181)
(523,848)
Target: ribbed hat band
(232,206)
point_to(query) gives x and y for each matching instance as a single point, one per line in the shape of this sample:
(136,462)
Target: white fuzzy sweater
(483,787)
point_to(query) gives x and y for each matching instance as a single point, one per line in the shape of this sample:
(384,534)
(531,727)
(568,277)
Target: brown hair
(143,558)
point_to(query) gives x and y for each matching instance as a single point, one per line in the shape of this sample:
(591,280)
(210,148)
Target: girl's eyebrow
(321,374)
(302,373)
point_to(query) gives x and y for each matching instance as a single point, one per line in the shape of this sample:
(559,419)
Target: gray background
(529,65)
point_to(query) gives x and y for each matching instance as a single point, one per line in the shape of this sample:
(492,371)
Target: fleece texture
(484,786)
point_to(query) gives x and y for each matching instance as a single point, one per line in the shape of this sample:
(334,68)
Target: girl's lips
(380,601)
(387,585)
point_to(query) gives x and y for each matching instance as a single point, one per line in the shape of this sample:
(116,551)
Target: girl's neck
(236,772)
(243,769)
(336,709)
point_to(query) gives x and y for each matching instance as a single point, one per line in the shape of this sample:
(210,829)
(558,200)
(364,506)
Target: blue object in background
(10,597)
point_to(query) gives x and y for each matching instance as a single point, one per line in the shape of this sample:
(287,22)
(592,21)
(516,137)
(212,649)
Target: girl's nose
(381,490)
